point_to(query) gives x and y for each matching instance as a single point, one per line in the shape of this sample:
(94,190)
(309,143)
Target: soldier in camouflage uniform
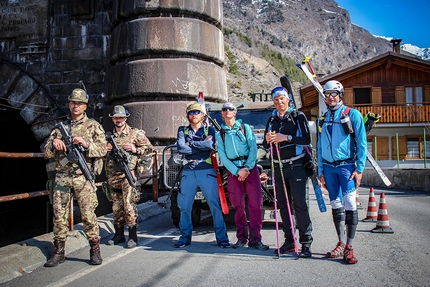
(69,178)
(134,144)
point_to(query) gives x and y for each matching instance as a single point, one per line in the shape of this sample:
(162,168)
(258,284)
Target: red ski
(222,197)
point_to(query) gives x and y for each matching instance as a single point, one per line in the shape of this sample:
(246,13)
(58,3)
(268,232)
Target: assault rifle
(121,160)
(74,153)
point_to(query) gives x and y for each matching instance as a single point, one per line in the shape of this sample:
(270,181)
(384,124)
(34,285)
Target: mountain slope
(295,29)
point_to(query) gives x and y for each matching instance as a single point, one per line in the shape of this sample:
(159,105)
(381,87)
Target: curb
(25,256)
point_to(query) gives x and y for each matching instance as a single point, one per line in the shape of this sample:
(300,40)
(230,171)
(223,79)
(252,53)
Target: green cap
(194,106)
(78,95)
(119,111)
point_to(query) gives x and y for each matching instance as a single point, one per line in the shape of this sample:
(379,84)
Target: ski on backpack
(286,83)
(369,122)
(222,198)
(307,68)
(221,192)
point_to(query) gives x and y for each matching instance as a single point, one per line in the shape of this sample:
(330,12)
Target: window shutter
(402,148)
(376,95)
(400,94)
(381,148)
(348,97)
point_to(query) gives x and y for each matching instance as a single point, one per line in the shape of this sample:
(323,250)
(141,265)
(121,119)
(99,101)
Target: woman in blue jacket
(342,147)
(237,149)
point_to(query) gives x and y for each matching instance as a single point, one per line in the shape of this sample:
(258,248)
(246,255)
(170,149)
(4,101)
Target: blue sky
(405,19)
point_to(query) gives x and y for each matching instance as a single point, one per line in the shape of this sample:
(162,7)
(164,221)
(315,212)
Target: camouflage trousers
(87,200)
(124,202)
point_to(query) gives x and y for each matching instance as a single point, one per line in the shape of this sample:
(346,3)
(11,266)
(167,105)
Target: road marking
(77,275)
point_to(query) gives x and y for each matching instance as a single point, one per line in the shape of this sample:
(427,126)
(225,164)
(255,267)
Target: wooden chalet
(395,86)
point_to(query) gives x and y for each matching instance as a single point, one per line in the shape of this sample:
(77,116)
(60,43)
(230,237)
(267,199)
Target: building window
(413,147)
(362,96)
(427,150)
(414,96)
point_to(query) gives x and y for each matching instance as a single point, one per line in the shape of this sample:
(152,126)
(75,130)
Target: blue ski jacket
(335,147)
(236,150)
(193,145)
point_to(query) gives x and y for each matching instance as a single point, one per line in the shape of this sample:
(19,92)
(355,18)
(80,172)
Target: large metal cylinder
(162,54)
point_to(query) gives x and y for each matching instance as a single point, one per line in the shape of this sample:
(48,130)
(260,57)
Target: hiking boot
(180,244)
(348,255)
(239,244)
(286,247)
(95,257)
(58,255)
(259,246)
(132,237)
(224,244)
(305,253)
(118,236)
(337,251)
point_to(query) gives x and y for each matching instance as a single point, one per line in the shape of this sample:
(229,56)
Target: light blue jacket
(235,145)
(338,146)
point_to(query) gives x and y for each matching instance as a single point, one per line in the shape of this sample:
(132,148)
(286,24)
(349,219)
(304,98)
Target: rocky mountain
(294,29)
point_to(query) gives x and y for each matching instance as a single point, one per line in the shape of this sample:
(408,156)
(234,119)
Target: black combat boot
(132,237)
(58,255)
(118,236)
(95,256)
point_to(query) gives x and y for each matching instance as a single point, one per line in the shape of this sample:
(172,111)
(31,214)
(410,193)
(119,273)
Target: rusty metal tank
(162,54)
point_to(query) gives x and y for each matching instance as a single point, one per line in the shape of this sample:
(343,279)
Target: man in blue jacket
(196,141)
(237,149)
(342,147)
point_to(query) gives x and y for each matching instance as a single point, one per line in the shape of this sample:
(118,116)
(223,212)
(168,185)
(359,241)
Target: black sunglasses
(190,113)
(228,109)
(331,94)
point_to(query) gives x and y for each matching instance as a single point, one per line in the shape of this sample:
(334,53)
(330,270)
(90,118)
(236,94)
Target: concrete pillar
(162,54)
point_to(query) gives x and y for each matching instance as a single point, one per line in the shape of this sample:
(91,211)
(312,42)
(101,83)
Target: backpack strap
(242,129)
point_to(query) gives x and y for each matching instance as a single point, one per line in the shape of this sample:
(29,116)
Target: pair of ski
(286,83)
(308,70)
(222,198)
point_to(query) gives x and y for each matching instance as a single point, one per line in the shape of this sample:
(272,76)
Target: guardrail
(20,196)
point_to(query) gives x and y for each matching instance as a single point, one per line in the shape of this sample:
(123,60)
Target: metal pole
(376,148)
(397,150)
(71,221)
(23,195)
(425,149)
(155,179)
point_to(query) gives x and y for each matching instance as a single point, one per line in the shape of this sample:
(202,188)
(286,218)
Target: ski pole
(276,200)
(288,202)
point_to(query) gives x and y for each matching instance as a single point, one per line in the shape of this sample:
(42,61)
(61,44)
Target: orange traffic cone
(382,224)
(372,212)
(357,200)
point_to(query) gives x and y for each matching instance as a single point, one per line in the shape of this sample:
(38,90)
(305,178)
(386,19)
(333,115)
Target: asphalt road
(397,259)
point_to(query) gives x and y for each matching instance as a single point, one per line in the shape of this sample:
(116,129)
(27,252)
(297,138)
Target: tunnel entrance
(25,218)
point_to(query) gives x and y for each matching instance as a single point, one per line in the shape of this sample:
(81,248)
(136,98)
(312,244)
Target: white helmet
(333,86)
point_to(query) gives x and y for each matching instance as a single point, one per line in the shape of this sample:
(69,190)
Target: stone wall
(412,179)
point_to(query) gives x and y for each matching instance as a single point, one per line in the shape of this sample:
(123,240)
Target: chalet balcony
(398,113)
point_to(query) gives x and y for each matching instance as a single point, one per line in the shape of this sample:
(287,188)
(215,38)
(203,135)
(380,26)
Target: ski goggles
(279,91)
(192,113)
(331,94)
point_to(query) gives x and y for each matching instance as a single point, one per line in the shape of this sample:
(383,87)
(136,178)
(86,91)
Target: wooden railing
(398,113)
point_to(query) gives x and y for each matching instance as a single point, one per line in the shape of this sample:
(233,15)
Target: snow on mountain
(424,53)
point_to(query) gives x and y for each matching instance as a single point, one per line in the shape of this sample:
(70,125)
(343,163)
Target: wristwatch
(290,138)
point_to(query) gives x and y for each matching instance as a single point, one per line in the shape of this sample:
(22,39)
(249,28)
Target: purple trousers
(236,193)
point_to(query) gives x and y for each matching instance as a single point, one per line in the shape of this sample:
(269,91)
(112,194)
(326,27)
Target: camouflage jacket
(129,135)
(92,132)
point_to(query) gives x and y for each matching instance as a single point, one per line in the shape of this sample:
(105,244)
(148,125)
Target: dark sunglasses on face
(228,109)
(331,94)
(190,113)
